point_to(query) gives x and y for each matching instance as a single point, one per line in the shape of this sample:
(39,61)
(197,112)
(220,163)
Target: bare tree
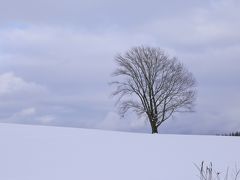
(153,85)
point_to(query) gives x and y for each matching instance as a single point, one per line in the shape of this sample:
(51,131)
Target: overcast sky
(56,58)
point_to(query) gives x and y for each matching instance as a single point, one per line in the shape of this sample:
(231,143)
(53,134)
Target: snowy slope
(54,153)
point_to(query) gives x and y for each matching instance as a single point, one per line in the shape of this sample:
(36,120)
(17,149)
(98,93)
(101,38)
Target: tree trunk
(154,128)
(153,124)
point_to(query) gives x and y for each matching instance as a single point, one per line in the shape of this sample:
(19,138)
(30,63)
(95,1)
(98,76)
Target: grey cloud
(91,13)
(213,26)
(113,121)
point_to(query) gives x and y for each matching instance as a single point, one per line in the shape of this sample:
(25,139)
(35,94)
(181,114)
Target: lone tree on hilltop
(153,85)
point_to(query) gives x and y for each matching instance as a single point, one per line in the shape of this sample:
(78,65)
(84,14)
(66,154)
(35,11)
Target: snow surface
(57,153)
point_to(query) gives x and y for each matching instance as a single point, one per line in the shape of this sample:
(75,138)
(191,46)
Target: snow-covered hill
(54,153)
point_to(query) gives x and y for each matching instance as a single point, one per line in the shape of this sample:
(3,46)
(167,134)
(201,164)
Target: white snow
(56,153)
